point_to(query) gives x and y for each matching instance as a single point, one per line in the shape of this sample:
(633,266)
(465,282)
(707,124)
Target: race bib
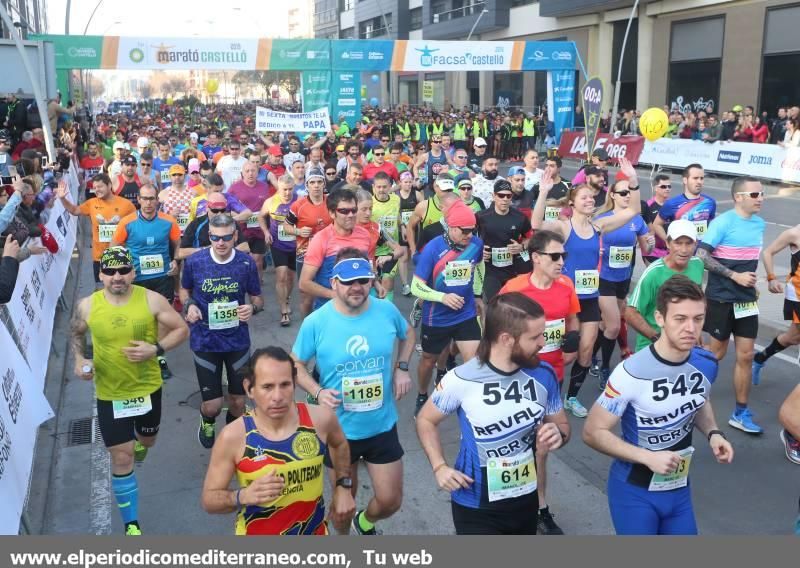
(361,394)
(458,273)
(501,257)
(132,406)
(620,257)
(183,221)
(405,216)
(165,178)
(151,264)
(701,227)
(677,479)
(511,477)
(525,255)
(389,224)
(252,221)
(283,235)
(554,331)
(745,309)
(586,281)
(223,315)
(105,232)
(552,213)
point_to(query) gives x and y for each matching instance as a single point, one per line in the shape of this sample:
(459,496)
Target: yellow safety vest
(459,132)
(478,130)
(527,127)
(437,130)
(406,130)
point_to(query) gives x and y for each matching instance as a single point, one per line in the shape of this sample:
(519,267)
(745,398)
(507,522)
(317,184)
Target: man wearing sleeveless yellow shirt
(276,453)
(124,321)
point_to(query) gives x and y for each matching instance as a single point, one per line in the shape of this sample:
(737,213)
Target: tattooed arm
(745,279)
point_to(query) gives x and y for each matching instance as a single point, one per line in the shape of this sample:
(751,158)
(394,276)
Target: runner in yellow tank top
(276,454)
(124,320)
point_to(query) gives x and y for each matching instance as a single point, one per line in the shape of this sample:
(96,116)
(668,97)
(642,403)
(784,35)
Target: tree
(290,82)
(97,87)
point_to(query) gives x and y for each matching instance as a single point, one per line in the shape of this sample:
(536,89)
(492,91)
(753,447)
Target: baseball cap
(479,142)
(601,154)
(502,185)
(516,171)
(119,145)
(194,165)
(129,161)
(315,173)
(176,169)
(463,182)
(682,228)
(193,135)
(340,148)
(352,269)
(445,183)
(142,142)
(275,150)
(737,108)
(593,170)
(115,257)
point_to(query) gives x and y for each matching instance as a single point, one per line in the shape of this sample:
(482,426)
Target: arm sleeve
(424,292)
(478,279)
(7,213)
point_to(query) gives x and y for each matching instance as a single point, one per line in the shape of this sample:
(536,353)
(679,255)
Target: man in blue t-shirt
(692,204)
(214,287)
(211,146)
(352,338)
(444,279)
(164,162)
(730,250)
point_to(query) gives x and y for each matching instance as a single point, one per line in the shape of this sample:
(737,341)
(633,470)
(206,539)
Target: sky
(171,18)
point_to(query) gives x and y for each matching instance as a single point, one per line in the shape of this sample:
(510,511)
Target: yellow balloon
(653,123)
(169,100)
(211,86)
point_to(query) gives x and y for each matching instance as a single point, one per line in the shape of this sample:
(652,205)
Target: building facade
(31,15)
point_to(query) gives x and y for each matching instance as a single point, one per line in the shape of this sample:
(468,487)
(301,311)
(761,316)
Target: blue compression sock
(126,491)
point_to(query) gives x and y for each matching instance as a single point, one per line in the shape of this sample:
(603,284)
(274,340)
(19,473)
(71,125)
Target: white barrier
(767,161)
(25,353)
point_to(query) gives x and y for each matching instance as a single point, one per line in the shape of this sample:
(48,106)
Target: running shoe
(603,378)
(757,371)
(206,434)
(791,446)
(406,290)
(133,530)
(166,374)
(421,400)
(415,317)
(574,406)
(743,420)
(139,452)
(357,528)
(546,524)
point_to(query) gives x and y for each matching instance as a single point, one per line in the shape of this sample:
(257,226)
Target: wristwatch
(402,365)
(345,482)
(159,350)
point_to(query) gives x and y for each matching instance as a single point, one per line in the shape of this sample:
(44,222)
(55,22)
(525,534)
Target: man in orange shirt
(556,294)
(105,210)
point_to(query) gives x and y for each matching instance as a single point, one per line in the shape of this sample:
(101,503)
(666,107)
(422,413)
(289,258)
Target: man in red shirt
(379,164)
(274,166)
(556,294)
(91,164)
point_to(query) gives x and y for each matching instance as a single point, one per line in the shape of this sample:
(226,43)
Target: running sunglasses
(752,194)
(347,210)
(436,140)
(122,270)
(554,256)
(460,157)
(664,186)
(467,230)
(361,281)
(217,238)
(503,195)
(215,210)
(331,173)
(623,193)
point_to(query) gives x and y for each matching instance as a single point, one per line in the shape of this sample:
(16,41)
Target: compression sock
(772,348)
(598,344)
(229,417)
(607,346)
(364,523)
(126,491)
(451,361)
(576,377)
(440,373)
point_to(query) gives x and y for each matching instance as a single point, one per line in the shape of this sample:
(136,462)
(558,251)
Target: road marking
(100,499)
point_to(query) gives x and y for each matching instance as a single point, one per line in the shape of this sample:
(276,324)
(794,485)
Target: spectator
(9,205)
(744,129)
(9,267)
(729,123)
(28,142)
(760,130)
(778,129)
(713,130)
(792,137)
(54,110)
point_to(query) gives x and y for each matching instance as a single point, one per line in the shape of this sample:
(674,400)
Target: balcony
(562,8)
(441,20)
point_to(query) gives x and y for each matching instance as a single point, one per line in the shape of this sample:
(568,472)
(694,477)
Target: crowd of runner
(526,278)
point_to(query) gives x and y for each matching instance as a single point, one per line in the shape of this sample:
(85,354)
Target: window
(348,33)
(780,83)
(375,27)
(507,89)
(415,22)
(439,11)
(696,64)
(347,5)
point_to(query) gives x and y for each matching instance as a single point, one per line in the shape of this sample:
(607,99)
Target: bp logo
(305,445)
(357,346)
(136,55)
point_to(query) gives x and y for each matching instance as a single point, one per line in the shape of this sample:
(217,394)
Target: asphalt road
(70,491)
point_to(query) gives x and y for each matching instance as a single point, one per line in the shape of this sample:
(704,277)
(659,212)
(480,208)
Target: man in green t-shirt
(640,313)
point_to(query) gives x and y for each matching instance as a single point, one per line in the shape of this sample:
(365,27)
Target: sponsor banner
(427,91)
(364,55)
(316,89)
(592,106)
(268,120)
(766,161)
(561,100)
(300,54)
(75,52)
(346,103)
(182,53)
(548,55)
(573,145)
(421,55)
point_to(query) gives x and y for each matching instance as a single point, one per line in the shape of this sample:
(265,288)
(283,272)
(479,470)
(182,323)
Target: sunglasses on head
(122,270)
(360,281)
(347,210)
(217,238)
(554,256)
(752,194)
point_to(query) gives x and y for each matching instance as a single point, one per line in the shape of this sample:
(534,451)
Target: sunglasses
(216,210)
(178,175)
(384,139)
(147,198)
(436,141)
(461,157)
(664,186)
(360,281)
(554,256)
(465,187)
(752,194)
(146,164)
(217,238)
(122,270)
(623,193)
(378,153)
(467,230)
(331,173)
(503,195)
(347,210)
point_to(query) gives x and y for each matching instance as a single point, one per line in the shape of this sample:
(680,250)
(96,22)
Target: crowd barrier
(26,337)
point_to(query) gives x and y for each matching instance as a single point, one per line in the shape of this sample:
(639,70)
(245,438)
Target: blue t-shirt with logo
(219,288)
(699,211)
(162,167)
(354,357)
(452,272)
(619,247)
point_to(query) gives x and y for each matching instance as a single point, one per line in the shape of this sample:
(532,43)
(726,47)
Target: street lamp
(619,71)
(91,17)
(469,36)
